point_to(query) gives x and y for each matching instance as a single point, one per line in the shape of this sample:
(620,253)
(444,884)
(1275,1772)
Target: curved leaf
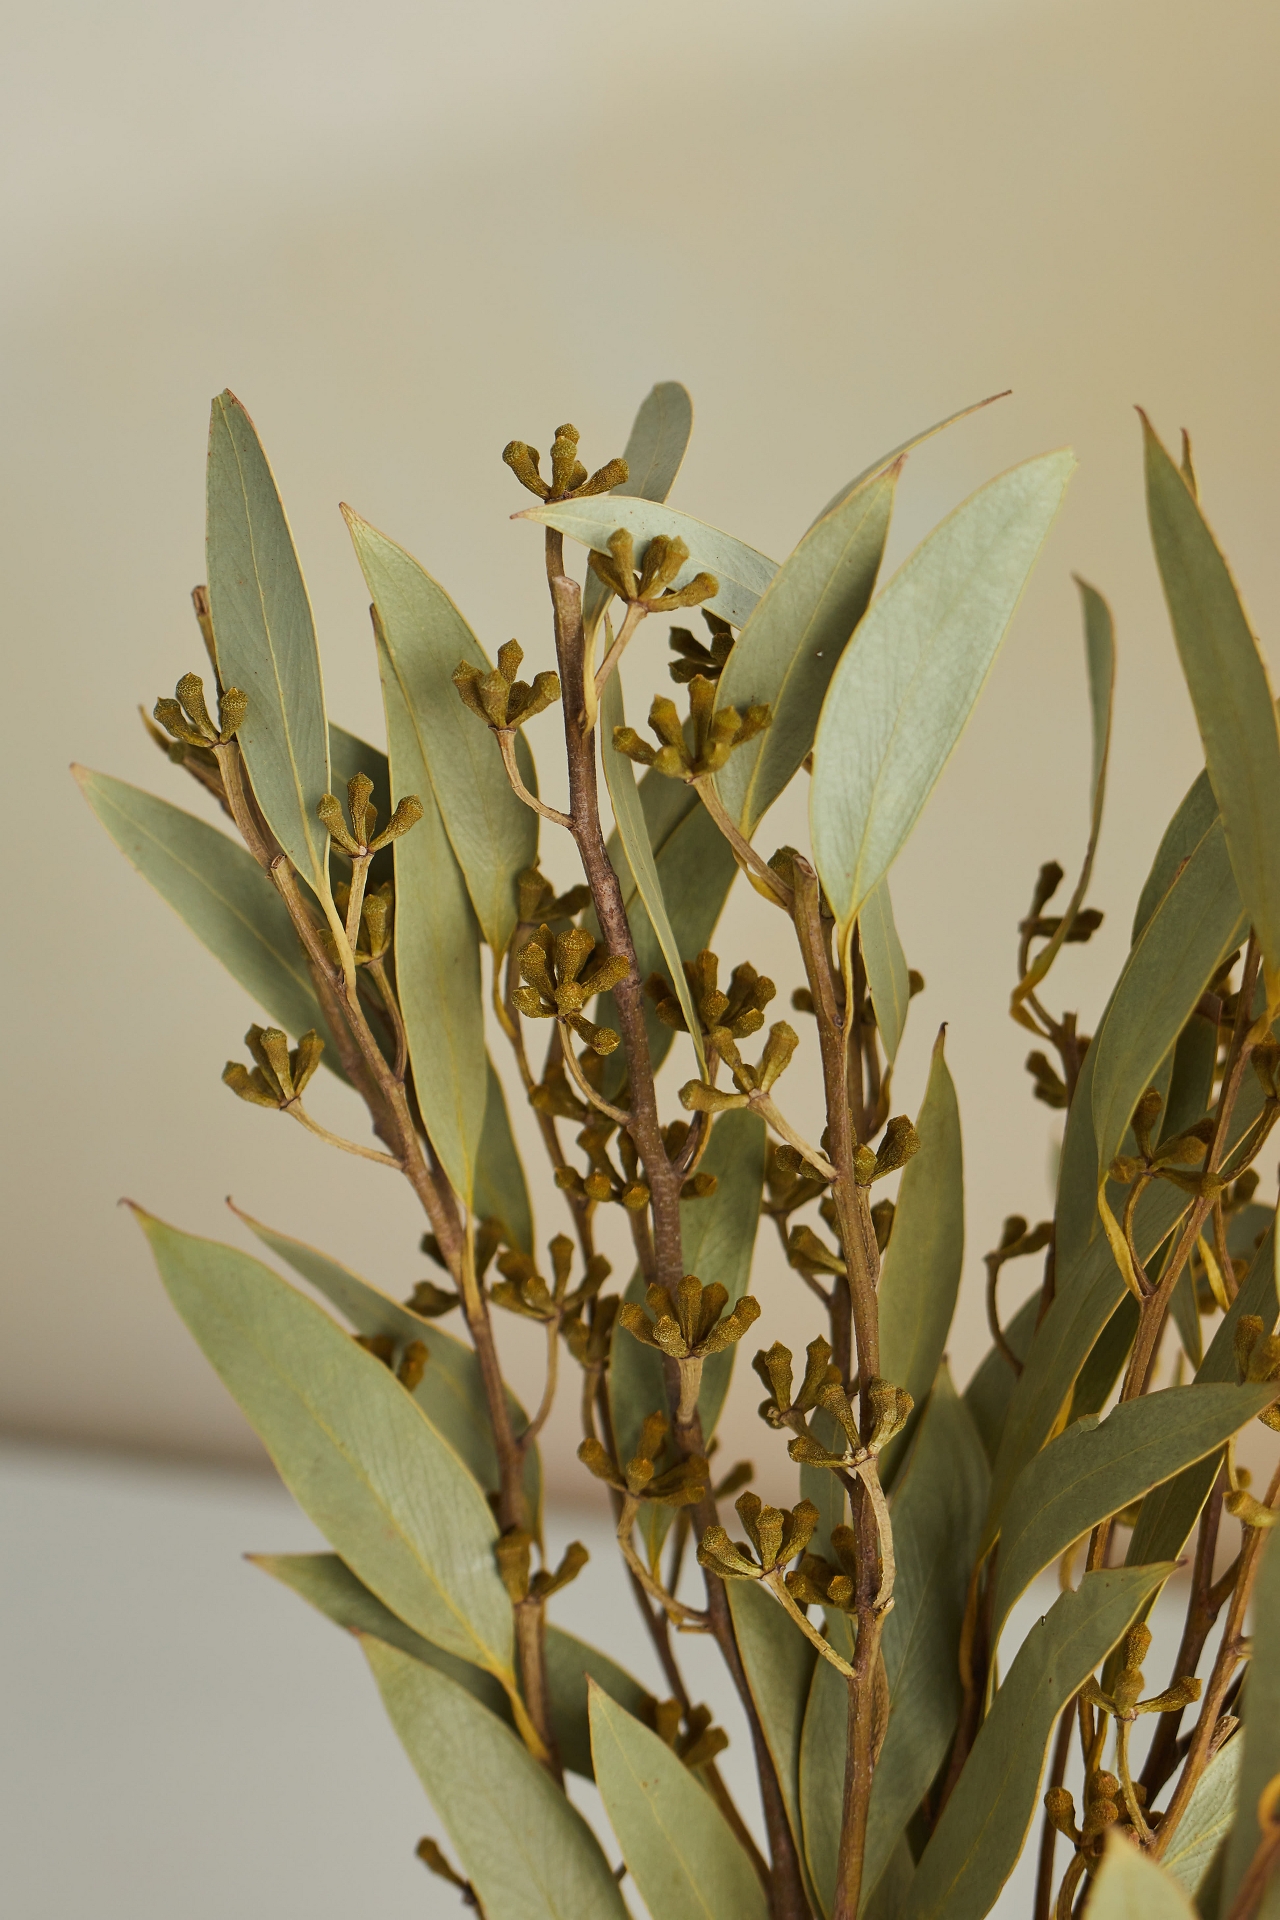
(634,833)
(501,1192)
(437,952)
(219,889)
(1207,1821)
(450,1392)
(654,451)
(921,1272)
(1195,814)
(265,640)
(678,1846)
(525,1848)
(742,573)
(1260,1761)
(1130,1886)
(1096,1468)
(937,1519)
(888,976)
(888,459)
(778,1662)
(493,834)
(982,1828)
(1227,679)
(792,644)
(356,1451)
(906,684)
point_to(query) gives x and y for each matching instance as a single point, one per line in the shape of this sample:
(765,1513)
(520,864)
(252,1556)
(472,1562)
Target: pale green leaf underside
(984,1824)
(1227,679)
(356,1451)
(678,1847)
(437,951)
(908,680)
(1131,1886)
(1207,1820)
(265,639)
(654,451)
(1260,1761)
(917,439)
(493,834)
(888,976)
(524,1847)
(742,573)
(779,1663)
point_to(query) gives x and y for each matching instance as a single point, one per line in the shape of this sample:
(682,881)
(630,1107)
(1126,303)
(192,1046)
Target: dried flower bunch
(900,1721)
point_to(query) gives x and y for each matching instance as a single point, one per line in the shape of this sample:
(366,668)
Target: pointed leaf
(219,889)
(906,685)
(572,1668)
(1130,1886)
(779,1663)
(793,642)
(937,1520)
(1260,1761)
(742,573)
(1227,679)
(501,1192)
(1096,1468)
(1207,1821)
(634,834)
(525,1848)
(265,640)
(888,976)
(493,834)
(984,1824)
(356,1451)
(450,1392)
(654,451)
(1195,814)
(437,952)
(988,1393)
(678,1846)
(917,439)
(922,1262)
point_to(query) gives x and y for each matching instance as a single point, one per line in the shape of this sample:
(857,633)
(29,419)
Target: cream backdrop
(406,232)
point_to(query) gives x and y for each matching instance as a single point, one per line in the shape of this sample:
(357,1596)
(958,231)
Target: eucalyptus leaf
(437,946)
(988,1393)
(218,888)
(1195,814)
(634,833)
(679,1849)
(779,1664)
(1131,1886)
(742,573)
(1227,679)
(1207,1821)
(654,451)
(524,1847)
(451,1390)
(357,1452)
(1101,1370)
(790,647)
(938,1511)
(265,640)
(1097,1467)
(982,1828)
(921,1271)
(888,976)
(493,834)
(907,683)
(823,1743)
(917,439)
(1260,1761)
(500,1191)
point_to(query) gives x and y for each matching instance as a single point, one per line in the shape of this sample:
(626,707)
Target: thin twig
(585,1087)
(298,1112)
(507,742)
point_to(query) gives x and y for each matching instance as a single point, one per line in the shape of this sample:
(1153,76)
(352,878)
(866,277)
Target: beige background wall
(404,233)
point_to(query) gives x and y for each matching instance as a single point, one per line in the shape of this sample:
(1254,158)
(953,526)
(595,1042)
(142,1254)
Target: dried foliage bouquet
(900,1721)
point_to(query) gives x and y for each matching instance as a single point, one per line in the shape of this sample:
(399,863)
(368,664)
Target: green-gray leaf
(1260,1762)
(357,1452)
(937,1519)
(922,1262)
(977,1840)
(221,892)
(437,945)
(779,1662)
(888,976)
(501,1192)
(1227,679)
(793,642)
(888,459)
(265,640)
(742,573)
(679,1849)
(634,833)
(988,1393)
(653,453)
(525,1848)
(493,834)
(1207,1820)
(908,682)
(1130,1886)
(1195,814)
(1096,1468)
(450,1392)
